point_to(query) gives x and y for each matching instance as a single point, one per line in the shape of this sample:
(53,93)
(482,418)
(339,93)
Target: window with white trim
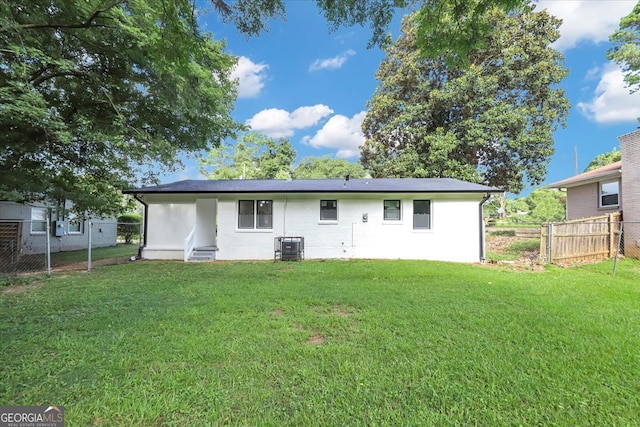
(39,220)
(328,210)
(392,210)
(609,194)
(74,224)
(421,214)
(255,214)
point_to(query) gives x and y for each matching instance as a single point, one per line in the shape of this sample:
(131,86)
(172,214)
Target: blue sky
(304,82)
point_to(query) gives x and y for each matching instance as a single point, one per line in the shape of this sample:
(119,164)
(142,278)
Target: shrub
(129,226)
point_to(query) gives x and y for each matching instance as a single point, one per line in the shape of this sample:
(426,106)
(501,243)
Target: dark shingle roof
(384,185)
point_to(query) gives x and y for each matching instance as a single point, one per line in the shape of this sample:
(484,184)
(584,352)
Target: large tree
(327,167)
(448,28)
(546,205)
(491,122)
(95,95)
(626,49)
(98,94)
(253,156)
(604,159)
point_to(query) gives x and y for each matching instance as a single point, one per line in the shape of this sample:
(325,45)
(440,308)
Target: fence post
(48,233)
(611,234)
(549,240)
(90,225)
(615,262)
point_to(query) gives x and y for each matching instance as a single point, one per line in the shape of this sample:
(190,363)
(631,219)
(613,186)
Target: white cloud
(342,133)
(331,63)
(586,20)
(612,102)
(593,74)
(277,123)
(251,77)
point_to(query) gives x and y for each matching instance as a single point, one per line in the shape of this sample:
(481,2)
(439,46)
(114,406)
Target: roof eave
(573,182)
(458,191)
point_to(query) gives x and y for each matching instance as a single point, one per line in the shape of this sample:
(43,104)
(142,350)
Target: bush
(129,226)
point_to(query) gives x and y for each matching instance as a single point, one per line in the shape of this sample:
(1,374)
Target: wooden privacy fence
(581,240)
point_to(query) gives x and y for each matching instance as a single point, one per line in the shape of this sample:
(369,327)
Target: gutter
(483,255)
(144,230)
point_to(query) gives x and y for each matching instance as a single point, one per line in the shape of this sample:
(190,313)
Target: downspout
(483,257)
(144,229)
(284,218)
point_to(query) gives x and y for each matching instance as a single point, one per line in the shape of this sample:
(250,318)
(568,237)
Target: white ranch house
(418,218)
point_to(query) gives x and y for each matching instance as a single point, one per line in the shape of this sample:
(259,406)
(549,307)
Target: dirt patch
(16,289)
(497,244)
(523,260)
(343,311)
(79,266)
(35,282)
(316,339)
(277,312)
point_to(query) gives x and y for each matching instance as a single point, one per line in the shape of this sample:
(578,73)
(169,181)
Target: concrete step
(202,256)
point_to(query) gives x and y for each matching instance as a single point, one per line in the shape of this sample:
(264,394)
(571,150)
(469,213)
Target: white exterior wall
(454,233)
(170,219)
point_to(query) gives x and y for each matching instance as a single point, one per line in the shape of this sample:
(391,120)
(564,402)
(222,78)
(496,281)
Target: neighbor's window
(328,210)
(392,210)
(609,192)
(74,223)
(38,220)
(421,214)
(247,218)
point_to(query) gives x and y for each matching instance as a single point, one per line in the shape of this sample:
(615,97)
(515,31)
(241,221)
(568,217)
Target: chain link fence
(32,248)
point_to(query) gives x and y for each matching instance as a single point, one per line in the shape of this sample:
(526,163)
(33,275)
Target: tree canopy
(626,49)
(327,167)
(604,159)
(541,205)
(253,156)
(448,28)
(452,29)
(546,205)
(97,95)
(256,156)
(491,122)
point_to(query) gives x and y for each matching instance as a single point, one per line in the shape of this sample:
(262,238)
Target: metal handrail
(189,244)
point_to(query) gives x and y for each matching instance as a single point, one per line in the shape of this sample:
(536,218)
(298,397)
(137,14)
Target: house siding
(630,150)
(583,202)
(454,234)
(104,232)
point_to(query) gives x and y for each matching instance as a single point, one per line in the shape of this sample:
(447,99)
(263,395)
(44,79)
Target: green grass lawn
(121,250)
(327,343)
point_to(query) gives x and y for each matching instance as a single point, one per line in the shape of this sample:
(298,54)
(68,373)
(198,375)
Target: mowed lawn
(327,343)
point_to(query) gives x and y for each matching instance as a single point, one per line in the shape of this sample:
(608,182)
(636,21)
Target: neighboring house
(431,219)
(593,193)
(23,229)
(612,188)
